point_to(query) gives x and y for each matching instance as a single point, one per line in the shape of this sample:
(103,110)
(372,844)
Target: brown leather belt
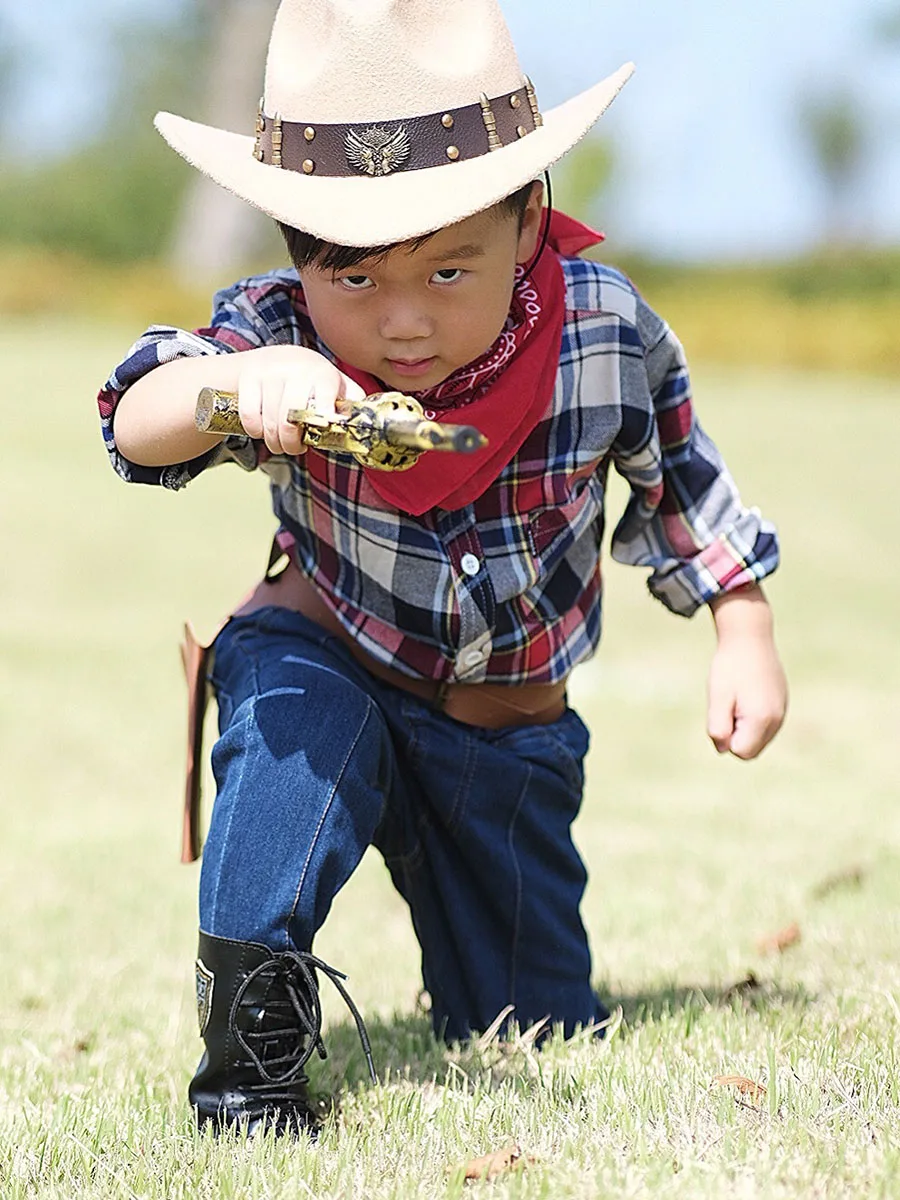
(489,705)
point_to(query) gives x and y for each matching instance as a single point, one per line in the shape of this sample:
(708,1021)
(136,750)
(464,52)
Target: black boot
(261,1020)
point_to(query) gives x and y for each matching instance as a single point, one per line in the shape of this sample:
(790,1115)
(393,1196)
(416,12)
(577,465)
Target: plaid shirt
(507,589)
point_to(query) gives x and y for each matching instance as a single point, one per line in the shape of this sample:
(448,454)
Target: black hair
(308,251)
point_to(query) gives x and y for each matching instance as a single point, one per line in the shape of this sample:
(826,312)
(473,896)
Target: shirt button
(470,565)
(472,658)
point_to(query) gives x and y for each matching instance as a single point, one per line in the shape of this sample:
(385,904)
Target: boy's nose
(405,323)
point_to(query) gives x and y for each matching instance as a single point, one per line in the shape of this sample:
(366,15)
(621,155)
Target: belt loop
(442,695)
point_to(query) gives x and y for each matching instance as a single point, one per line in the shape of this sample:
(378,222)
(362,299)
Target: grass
(692,858)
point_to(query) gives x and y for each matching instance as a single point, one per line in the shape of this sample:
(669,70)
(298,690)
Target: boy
(402,682)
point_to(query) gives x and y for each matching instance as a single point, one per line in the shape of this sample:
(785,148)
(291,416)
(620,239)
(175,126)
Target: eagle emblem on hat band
(378,151)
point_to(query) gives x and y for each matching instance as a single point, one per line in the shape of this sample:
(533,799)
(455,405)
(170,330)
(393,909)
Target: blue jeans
(318,760)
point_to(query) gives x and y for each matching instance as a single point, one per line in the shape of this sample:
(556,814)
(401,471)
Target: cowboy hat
(384,120)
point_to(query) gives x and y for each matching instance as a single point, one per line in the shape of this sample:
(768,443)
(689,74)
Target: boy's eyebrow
(470,250)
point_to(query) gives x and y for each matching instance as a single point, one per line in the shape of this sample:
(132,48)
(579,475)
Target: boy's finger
(350,389)
(324,391)
(720,718)
(720,735)
(752,735)
(295,396)
(749,738)
(250,407)
(721,741)
(271,414)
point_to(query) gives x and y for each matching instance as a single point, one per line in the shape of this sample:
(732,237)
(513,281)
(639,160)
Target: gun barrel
(431,435)
(465,439)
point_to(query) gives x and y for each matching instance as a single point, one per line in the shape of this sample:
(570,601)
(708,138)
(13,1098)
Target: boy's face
(415,316)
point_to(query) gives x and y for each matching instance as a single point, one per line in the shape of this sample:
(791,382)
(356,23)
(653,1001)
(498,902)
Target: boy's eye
(356,283)
(448,275)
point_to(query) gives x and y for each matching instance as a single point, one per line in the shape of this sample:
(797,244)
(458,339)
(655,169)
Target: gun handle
(217,412)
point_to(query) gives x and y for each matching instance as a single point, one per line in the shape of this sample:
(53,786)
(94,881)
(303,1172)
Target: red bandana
(472,382)
(505,393)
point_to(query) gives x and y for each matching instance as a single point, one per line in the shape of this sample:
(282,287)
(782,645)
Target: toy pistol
(387,431)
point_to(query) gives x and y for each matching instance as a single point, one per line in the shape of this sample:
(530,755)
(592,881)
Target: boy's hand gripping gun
(387,431)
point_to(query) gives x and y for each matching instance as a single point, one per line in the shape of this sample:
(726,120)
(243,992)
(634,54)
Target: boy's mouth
(412,368)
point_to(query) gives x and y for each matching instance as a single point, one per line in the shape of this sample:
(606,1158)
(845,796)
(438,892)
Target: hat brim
(408,204)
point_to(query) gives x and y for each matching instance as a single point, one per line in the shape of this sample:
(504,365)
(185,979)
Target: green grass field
(693,859)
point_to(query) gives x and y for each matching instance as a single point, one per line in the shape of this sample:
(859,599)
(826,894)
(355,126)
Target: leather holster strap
(195,659)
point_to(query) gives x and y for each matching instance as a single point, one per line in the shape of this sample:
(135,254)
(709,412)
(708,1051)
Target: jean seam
(254,667)
(410,858)
(574,766)
(517,919)
(327,809)
(466,776)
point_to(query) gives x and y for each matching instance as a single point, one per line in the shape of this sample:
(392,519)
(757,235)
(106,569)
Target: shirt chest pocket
(554,530)
(544,537)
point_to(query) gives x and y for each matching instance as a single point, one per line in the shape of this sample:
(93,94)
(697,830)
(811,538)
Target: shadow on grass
(405,1048)
(750,994)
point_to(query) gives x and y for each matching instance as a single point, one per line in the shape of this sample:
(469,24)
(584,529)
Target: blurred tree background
(835,130)
(115,196)
(123,195)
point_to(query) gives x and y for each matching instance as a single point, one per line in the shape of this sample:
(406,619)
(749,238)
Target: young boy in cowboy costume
(402,683)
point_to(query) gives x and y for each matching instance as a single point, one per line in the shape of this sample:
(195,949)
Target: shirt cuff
(745,553)
(161,345)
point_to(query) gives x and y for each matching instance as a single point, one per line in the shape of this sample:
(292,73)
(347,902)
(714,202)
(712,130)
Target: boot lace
(293,1015)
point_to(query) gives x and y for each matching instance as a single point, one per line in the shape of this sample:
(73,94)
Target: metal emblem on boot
(205,983)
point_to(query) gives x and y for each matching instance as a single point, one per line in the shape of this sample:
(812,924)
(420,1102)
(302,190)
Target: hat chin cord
(546,234)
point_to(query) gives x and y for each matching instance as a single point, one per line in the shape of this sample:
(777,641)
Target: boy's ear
(531,224)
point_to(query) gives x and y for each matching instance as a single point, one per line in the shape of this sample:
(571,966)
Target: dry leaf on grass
(777,943)
(81,1046)
(852,877)
(748,1091)
(743,987)
(501,1162)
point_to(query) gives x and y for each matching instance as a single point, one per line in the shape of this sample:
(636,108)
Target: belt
(488,705)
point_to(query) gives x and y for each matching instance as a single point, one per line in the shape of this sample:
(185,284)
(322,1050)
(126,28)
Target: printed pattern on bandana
(471,382)
(507,589)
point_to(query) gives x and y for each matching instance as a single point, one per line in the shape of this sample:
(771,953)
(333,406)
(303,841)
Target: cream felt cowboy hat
(384,120)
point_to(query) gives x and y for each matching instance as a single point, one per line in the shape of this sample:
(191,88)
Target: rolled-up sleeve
(685,519)
(253,313)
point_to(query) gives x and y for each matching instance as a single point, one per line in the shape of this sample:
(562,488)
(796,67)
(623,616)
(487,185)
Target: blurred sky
(710,157)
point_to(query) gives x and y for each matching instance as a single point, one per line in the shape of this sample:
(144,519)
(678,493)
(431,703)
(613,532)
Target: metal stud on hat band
(380,148)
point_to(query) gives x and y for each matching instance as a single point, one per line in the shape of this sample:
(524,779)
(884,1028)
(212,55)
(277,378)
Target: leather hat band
(381,148)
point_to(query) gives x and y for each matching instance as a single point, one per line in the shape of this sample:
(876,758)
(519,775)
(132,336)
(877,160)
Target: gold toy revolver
(387,431)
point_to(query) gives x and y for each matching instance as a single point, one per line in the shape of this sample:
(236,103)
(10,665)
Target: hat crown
(350,61)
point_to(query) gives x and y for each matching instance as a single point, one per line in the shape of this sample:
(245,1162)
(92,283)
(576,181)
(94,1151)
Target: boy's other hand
(276,379)
(747,686)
